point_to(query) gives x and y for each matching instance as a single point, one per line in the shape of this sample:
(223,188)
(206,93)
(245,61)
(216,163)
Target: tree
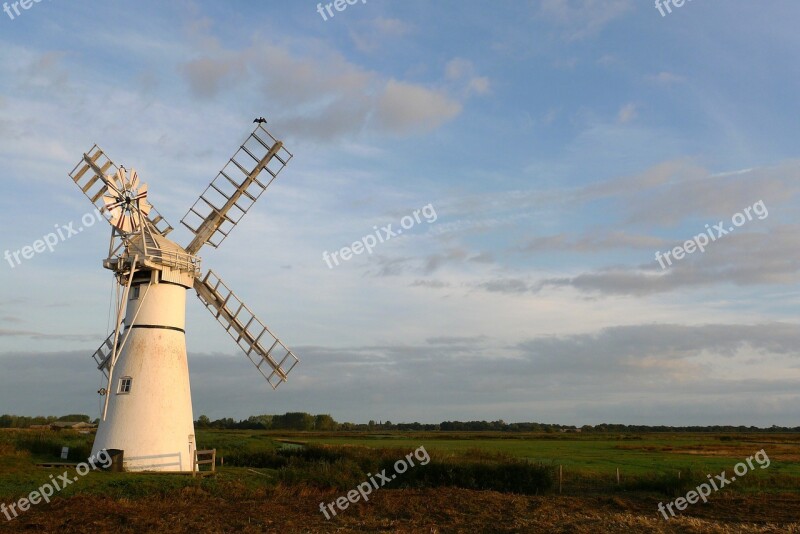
(225,422)
(262,422)
(293,421)
(325,422)
(203,421)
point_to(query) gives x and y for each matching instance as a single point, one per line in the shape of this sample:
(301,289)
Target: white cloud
(405,107)
(463,71)
(391,26)
(206,75)
(479,375)
(328,96)
(458,68)
(580,19)
(479,86)
(627,113)
(666,78)
(373,35)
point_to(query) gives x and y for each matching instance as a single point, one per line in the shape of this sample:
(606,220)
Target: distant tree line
(22,421)
(305,421)
(324,422)
(287,421)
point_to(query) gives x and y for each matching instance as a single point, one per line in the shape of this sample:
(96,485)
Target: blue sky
(562,144)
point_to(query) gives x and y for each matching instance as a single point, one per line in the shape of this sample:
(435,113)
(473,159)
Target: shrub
(50,444)
(259,459)
(508,476)
(670,484)
(345,467)
(341,474)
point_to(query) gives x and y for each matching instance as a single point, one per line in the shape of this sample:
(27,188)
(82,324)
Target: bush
(669,484)
(341,474)
(49,444)
(8,449)
(260,459)
(345,467)
(507,476)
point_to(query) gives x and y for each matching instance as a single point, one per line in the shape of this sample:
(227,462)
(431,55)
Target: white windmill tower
(147,409)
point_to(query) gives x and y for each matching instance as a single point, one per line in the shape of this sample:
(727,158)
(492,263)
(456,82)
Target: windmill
(147,405)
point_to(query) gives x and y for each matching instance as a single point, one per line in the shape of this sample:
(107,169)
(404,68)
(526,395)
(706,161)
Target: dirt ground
(405,511)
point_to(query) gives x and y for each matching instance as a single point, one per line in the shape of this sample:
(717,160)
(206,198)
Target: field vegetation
(274,481)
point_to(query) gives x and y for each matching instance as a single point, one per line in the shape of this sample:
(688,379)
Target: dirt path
(405,511)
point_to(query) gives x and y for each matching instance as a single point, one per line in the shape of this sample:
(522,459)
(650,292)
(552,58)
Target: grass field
(634,454)
(281,477)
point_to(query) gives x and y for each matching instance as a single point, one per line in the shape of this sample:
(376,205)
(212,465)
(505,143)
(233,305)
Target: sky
(606,200)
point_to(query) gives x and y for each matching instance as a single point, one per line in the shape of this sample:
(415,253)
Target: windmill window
(135,293)
(125,384)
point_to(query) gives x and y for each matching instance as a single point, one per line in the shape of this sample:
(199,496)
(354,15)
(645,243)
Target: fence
(211,459)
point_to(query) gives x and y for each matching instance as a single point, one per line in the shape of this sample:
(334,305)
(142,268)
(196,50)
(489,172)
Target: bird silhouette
(260,120)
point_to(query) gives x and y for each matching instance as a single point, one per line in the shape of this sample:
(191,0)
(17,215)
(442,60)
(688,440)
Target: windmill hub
(148,409)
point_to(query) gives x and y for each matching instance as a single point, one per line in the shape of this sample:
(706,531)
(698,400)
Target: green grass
(256,460)
(635,455)
(590,461)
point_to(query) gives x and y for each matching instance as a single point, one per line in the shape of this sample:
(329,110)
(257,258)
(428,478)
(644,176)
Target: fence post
(617,476)
(560,477)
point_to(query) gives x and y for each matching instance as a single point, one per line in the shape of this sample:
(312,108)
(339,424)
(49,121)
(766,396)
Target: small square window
(125,384)
(135,293)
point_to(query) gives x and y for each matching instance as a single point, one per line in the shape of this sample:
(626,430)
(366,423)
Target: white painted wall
(153,422)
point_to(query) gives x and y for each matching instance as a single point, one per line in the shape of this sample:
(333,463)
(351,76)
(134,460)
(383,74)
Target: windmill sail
(235,189)
(91,175)
(102,355)
(265,350)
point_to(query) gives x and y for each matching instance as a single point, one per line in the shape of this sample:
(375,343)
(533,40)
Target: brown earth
(779,450)
(405,511)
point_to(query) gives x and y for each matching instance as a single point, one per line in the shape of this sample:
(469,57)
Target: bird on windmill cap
(260,120)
